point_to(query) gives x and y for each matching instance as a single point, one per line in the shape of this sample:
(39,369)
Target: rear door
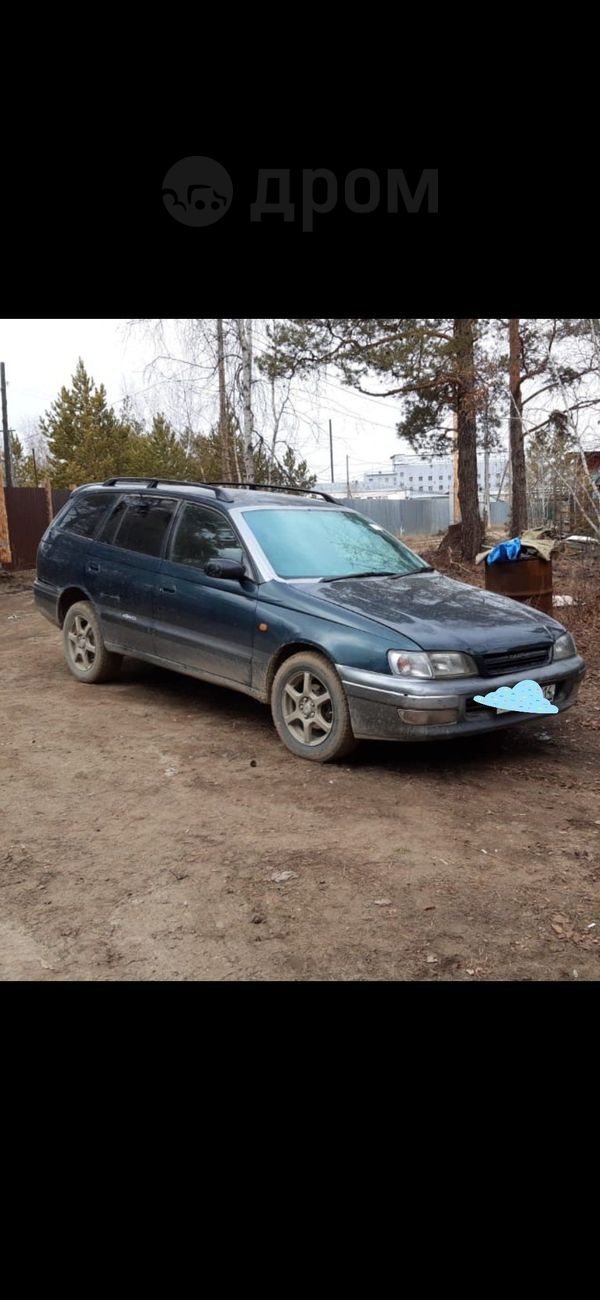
(122,570)
(205,624)
(63,550)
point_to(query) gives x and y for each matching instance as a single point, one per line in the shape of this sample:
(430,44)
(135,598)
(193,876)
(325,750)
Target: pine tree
(160,452)
(433,365)
(206,459)
(86,440)
(206,455)
(22,465)
(286,471)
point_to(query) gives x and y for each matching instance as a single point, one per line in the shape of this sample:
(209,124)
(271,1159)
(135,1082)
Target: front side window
(305,543)
(140,524)
(85,514)
(203,535)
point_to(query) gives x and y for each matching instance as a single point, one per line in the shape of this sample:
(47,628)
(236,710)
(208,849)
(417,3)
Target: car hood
(438,613)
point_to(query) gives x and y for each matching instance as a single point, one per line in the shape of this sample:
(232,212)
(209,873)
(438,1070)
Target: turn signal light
(427,717)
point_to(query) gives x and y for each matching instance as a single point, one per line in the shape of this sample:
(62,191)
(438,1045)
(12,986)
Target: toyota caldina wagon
(296,600)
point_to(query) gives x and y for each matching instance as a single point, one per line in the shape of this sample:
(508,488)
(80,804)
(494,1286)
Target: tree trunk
(245,330)
(466,418)
(518,519)
(236,459)
(223,412)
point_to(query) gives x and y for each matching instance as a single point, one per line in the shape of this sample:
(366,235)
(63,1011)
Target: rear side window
(86,513)
(140,524)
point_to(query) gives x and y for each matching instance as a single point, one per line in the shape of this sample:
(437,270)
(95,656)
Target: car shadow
(179,688)
(515,745)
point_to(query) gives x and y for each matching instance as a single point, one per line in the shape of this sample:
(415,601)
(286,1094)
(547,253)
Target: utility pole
(348,478)
(5,432)
(331,452)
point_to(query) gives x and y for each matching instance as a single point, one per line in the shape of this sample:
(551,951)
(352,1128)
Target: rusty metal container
(529,581)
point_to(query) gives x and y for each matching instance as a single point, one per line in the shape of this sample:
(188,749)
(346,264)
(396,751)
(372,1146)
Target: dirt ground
(146,826)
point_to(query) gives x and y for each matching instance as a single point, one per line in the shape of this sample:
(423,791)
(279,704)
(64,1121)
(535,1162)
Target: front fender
(285,628)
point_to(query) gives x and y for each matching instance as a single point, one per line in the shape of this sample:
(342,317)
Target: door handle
(93,568)
(169,590)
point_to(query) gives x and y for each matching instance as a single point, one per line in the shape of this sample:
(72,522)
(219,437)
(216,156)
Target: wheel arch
(286,652)
(69,597)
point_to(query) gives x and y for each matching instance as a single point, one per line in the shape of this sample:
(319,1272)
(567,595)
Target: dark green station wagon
(295,600)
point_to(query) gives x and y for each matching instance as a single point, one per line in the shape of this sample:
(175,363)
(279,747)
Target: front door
(205,624)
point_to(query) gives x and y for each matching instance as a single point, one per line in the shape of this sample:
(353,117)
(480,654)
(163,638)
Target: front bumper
(376,700)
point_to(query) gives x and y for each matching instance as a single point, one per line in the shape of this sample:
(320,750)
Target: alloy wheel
(82,643)
(307,708)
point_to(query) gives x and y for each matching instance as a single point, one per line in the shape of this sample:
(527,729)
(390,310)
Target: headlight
(453,665)
(565,647)
(415,663)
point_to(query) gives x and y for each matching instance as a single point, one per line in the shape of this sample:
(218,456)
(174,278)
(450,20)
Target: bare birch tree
(244,332)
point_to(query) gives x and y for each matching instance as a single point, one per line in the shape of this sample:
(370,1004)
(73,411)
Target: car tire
(83,645)
(310,709)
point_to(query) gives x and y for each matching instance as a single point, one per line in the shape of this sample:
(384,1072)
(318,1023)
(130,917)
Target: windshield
(305,543)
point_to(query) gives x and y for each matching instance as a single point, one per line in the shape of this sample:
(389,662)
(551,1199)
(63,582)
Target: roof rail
(173,482)
(274,487)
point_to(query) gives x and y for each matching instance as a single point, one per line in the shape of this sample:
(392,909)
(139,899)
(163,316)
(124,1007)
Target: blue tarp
(505,551)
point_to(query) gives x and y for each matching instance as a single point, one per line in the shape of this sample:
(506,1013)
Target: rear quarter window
(85,514)
(140,524)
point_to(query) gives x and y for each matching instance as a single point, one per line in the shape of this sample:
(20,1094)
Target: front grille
(474,709)
(515,661)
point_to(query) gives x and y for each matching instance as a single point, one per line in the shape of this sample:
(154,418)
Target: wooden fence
(25,513)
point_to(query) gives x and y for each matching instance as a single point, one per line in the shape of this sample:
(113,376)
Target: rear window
(85,514)
(140,524)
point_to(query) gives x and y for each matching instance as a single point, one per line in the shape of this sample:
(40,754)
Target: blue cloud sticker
(525,697)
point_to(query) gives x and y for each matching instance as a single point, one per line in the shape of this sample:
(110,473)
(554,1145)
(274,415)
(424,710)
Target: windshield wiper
(369,573)
(378,573)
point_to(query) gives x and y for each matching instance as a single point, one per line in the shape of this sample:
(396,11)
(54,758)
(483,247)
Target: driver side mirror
(232,570)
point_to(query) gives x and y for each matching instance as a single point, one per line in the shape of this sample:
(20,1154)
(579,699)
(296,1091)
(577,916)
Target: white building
(432,477)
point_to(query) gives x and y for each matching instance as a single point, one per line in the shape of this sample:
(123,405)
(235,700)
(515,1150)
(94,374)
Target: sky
(41,355)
